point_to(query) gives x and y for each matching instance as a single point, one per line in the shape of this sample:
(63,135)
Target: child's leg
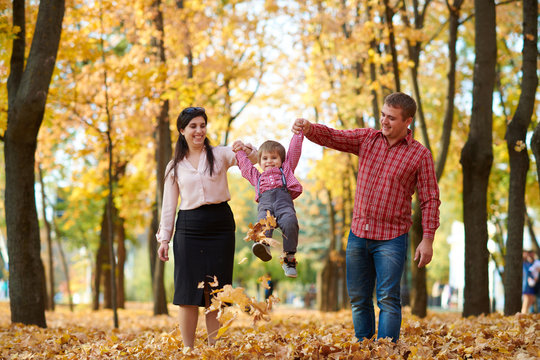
(265,204)
(260,249)
(287,221)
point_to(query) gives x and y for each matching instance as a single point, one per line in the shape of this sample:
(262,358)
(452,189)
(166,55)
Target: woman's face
(195,132)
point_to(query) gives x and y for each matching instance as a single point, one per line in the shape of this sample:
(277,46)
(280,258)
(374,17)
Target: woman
(203,243)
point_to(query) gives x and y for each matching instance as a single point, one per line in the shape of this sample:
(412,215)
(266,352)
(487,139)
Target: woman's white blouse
(196,187)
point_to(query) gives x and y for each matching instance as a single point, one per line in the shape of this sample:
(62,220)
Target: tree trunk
(27,95)
(418,275)
(66,271)
(535,147)
(476,160)
(121,258)
(110,181)
(454,14)
(519,161)
(327,298)
(50,262)
(163,155)
(532,235)
(389,14)
(151,240)
(102,259)
(419,287)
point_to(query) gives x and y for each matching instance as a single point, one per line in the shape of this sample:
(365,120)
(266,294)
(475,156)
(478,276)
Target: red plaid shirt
(387,177)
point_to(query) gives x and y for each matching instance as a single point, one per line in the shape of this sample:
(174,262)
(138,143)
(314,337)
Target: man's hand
(301,125)
(163,251)
(424,252)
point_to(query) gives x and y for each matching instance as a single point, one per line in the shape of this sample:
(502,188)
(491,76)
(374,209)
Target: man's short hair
(271,146)
(403,102)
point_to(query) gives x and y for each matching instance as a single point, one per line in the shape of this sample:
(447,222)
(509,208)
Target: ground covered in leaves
(289,334)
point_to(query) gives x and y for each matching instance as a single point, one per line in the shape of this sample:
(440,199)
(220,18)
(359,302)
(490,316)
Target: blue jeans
(381,261)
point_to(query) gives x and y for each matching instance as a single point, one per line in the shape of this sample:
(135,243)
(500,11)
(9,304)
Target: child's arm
(249,172)
(249,149)
(295,150)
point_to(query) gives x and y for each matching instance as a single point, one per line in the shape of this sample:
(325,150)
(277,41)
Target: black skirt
(203,248)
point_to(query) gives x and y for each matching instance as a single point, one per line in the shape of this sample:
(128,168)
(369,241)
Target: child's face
(270,160)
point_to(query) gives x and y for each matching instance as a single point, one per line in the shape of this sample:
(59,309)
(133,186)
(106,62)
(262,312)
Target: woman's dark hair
(182,148)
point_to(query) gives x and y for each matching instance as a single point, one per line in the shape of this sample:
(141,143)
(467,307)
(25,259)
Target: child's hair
(271,146)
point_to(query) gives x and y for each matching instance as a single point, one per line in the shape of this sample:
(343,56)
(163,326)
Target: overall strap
(283,180)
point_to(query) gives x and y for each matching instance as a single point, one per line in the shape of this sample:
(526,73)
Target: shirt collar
(408,139)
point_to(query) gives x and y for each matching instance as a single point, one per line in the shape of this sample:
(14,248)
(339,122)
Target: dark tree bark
(535,147)
(28,87)
(329,296)
(102,259)
(163,156)
(476,160)
(389,15)
(419,290)
(50,262)
(110,197)
(65,268)
(519,160)
(121,258)
(454,10)
(532,235)
(373,74)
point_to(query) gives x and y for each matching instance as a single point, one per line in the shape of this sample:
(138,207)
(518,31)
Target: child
(276,188)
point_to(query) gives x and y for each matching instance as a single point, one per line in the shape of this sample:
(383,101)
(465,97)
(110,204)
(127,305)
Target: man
(391,165)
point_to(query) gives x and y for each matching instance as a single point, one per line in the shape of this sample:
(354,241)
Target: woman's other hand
(163,251)
(238,145)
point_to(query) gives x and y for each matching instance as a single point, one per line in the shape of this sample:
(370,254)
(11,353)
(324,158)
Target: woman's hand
(238,145)
(163,251)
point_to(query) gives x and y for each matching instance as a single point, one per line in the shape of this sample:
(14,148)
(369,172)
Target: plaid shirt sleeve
(428,195)
(341,140)
(295,150)
(249,172)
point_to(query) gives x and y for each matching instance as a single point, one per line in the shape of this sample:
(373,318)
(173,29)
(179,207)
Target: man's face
(393,125)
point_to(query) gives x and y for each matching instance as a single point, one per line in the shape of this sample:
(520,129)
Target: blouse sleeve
(168,207)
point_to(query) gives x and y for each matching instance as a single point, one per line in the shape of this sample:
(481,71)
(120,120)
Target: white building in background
(457,271)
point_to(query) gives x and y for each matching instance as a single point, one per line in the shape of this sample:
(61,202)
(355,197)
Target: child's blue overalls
(279,202)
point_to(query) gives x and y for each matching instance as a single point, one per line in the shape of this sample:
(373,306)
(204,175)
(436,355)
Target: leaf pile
(290,334)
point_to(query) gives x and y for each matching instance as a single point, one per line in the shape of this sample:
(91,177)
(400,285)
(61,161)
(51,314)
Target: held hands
(163,251)
(301,125)
(424,252)
(239,145)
